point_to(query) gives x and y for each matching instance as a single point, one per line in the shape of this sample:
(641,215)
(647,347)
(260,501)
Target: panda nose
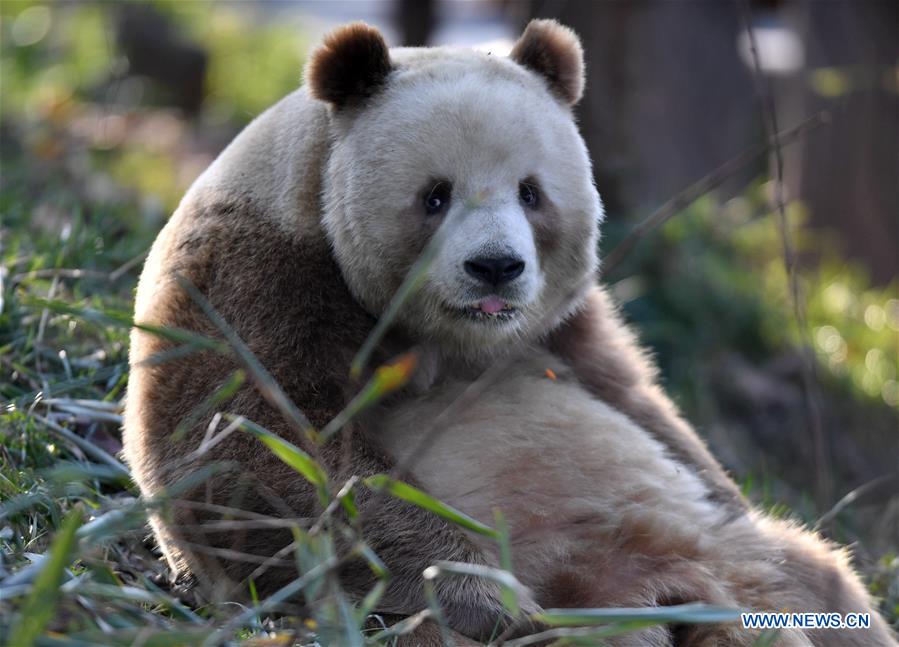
(495,271)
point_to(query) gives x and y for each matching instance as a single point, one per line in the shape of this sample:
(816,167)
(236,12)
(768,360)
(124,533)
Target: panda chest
(540,448)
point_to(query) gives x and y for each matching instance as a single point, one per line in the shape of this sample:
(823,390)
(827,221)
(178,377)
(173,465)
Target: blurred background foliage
(110,110)
(69,88)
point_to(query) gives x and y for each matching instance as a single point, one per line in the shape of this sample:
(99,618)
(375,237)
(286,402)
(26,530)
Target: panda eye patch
(529,194)
(437,199)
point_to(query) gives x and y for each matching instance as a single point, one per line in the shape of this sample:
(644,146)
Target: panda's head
(476,154)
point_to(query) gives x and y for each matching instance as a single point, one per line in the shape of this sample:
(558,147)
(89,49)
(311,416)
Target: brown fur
(426,634)
(286,300)
(787,570)
(554,52)
(351,64)
(549,228)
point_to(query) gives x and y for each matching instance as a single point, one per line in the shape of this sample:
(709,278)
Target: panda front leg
(406,538)
(409,539)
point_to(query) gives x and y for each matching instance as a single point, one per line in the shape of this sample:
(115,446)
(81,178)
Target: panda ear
(554,52)
(350,65)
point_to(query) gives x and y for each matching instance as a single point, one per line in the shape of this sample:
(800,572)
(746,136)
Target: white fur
(495,227)
(546,452)
(484,124)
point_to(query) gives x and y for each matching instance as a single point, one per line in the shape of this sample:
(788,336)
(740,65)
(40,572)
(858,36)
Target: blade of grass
(386,380)
(83,413)
(143,636)
(370,601)
(281,595)
(100,375)
(344,499)
(374,562)
(266,384)
(498,575)
(692,613)
(134,515)
(84,445)
(292,455)
(403,627)
(577,635)
(350,625)
(40,606)
(173,603)
(347,501)
(435,608)
(220,395)
(65,472)
(508,594)
(101,405)
(110,318)
(412,281)
(406,492)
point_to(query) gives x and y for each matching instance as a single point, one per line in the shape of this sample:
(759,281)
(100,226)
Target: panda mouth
(489,309)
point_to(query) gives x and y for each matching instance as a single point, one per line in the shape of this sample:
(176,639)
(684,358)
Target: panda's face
(470,164)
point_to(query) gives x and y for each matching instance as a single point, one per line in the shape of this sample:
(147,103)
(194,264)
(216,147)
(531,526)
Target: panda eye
(438,198)
(528,194)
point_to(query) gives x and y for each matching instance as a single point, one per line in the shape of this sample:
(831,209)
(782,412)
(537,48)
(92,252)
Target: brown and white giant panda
(299,235)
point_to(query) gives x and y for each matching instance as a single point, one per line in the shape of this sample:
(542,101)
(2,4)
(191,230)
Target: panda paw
(478,611)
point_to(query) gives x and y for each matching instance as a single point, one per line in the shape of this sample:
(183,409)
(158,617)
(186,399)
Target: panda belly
(581,486)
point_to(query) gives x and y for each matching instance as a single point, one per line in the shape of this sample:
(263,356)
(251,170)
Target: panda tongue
(492,305)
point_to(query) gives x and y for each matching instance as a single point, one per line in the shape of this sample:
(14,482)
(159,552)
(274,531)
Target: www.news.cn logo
(806,620)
